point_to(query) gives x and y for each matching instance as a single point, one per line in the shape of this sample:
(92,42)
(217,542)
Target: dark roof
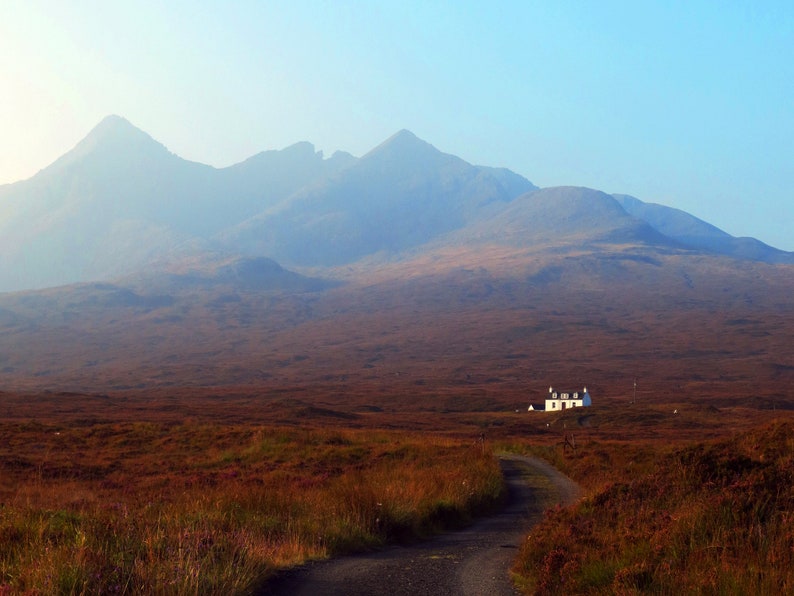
(570,391)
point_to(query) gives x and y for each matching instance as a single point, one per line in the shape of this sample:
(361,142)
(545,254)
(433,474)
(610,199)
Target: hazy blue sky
(689,104)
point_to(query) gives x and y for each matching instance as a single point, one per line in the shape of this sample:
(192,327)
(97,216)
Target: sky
(687,104)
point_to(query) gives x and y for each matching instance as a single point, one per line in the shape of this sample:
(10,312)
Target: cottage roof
(568,391)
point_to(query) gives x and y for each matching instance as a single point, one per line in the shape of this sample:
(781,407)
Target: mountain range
(120,202)
(405,276)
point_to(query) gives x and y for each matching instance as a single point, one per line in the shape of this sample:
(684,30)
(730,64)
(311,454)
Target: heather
(710,518)
(182,508)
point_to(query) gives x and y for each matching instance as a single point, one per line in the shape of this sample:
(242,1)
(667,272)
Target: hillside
(700,235)
(562,215)
(491,328)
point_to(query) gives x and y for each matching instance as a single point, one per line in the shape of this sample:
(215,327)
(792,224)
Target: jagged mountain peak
(302,151)
(113,141)
(302,148)
(113,122)
(403,135)
(116,131)
(403,142)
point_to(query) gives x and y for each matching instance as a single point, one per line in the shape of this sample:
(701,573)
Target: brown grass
(711,517)
(155,449)
(198,508)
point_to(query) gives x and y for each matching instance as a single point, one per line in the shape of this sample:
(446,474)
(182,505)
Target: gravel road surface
(472,561)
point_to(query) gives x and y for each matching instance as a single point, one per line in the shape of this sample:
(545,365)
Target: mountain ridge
(120,201)
(564,213)
(699,234)
(397,196)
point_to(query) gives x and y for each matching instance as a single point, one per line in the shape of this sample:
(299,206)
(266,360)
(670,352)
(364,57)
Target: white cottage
(561,400)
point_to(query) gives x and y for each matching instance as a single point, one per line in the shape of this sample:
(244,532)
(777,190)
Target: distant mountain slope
(258,274)
(399,195)
(698,234)
(561,215)
(487,321)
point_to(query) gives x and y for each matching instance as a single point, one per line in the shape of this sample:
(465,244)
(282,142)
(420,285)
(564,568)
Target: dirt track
(472,561)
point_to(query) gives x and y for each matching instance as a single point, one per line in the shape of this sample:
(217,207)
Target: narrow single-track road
(472,561)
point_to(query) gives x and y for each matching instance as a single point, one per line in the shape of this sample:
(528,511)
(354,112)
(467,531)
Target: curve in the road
(473,561)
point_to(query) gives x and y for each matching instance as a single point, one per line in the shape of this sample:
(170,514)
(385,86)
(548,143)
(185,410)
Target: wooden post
(570,441)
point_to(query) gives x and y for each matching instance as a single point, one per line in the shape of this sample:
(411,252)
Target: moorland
(207,416)
(252,434)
